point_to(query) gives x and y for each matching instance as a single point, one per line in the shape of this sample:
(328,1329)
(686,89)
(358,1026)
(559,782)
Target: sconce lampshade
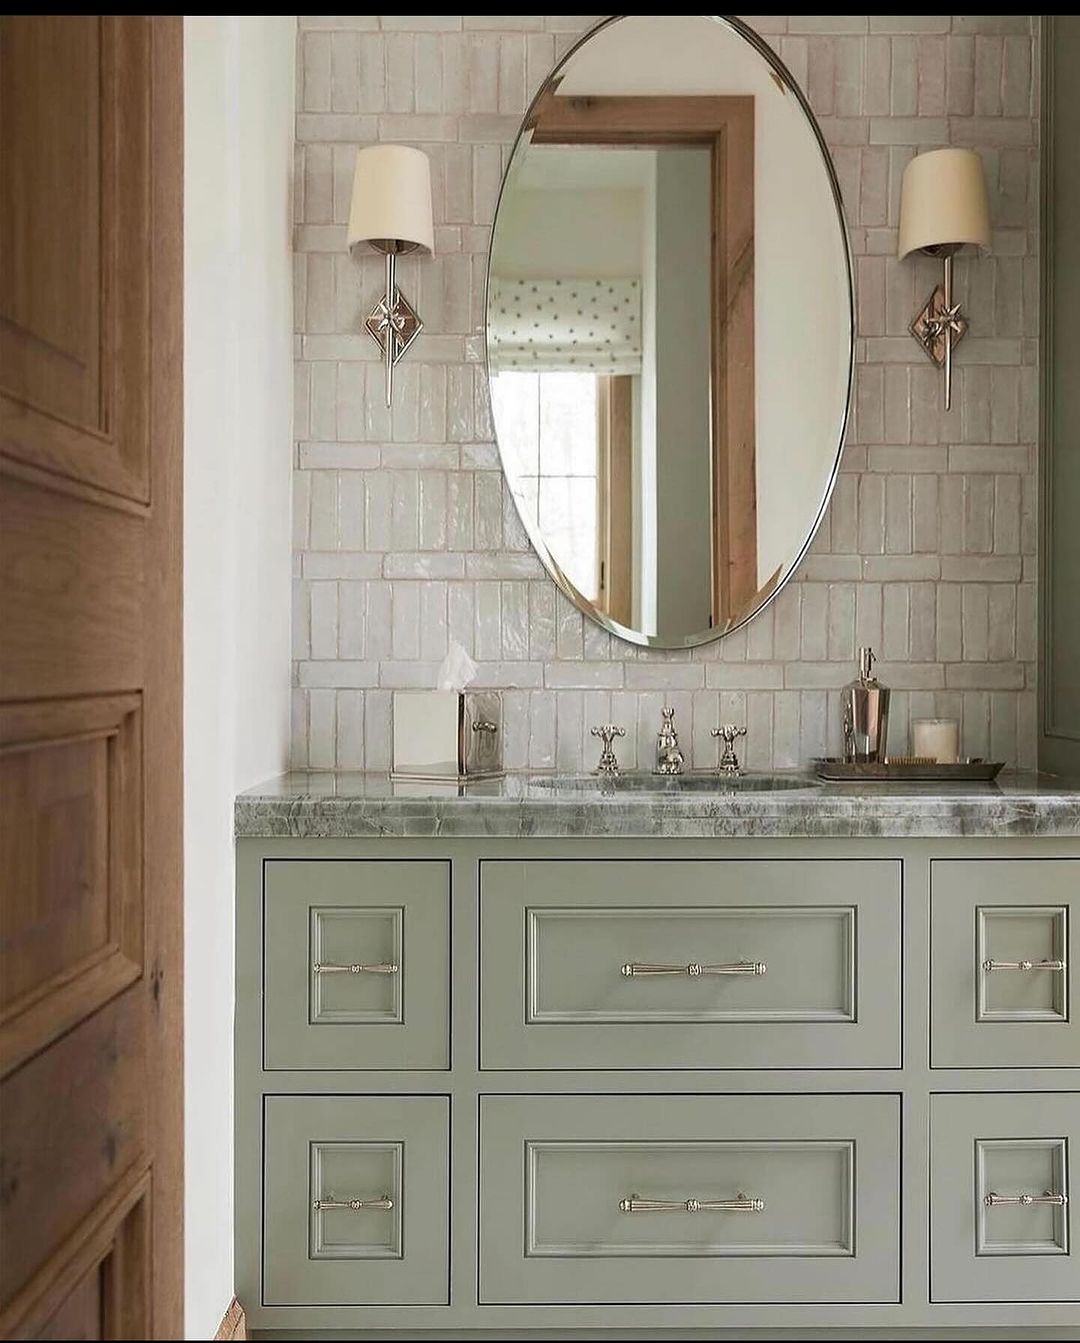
(391,198)
(943,201)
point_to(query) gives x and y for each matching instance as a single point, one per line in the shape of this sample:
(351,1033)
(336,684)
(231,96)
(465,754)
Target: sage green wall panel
(556,1175)
(1059,664)
(1008,1145)
(1011,910)
(343,913)
(333,1149)
(557,939)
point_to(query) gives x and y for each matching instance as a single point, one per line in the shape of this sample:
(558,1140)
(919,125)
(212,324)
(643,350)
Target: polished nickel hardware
(992,1200)
(382,968)
(865,705)
(485,725)
(638,970)
(741,1203)
(607,763)
(729,734)
(384,1203)
(1024,966)
(669,756)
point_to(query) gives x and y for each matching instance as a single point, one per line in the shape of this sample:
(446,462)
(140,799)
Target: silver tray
(836,770)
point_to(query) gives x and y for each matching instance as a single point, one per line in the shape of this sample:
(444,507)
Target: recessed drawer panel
(355,971)
(1004,932)
(1001,1210)
(690,964)
(356,1198)
(689,1199)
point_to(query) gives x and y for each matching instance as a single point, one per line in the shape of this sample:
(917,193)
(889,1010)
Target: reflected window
(548,429)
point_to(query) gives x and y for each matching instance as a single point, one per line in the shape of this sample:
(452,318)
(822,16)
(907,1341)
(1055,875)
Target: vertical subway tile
(322,729)
(975,608)
(1001,617)
(815,622)
(433,621)
(406,622)
(949,640)
(898,506)
(350,729)
(925,531)
(895,614)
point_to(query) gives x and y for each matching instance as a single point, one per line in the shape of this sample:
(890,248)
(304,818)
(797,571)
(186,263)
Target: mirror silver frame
(549,562)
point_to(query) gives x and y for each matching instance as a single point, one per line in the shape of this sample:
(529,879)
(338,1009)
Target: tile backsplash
(405,536)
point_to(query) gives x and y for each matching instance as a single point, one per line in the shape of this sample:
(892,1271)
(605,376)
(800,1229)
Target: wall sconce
(942,207)
(391,210)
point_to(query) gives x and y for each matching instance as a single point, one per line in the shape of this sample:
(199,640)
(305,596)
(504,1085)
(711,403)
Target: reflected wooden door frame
(725,125)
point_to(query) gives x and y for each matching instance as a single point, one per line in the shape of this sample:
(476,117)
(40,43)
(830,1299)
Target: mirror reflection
(626,316)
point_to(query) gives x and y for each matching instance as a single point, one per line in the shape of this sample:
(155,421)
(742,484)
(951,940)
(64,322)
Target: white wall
(239,125)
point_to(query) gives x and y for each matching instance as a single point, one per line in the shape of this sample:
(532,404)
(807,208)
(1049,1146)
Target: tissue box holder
(446,735)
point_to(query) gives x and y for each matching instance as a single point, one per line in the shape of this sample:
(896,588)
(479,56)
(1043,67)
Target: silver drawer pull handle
(1025,1200)
(384,1203)
(386,968)
(636,970)
(485,725)
(1023,965)
(741,1203)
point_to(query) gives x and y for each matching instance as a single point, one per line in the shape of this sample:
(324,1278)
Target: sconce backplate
(402,320)
(928,327)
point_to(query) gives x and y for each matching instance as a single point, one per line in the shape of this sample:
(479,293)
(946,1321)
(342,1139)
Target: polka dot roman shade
(565,325)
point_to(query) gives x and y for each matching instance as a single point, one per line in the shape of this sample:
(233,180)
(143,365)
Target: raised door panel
(74,1121)
(690,963)
(1002,1197)
(356,1200)
(356,970)
(1005,941)
(74,246)
(688,1199)
(71,922)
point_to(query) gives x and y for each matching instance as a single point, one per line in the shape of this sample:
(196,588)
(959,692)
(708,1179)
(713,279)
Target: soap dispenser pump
(866,714)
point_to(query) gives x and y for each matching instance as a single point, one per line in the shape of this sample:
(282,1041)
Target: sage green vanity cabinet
(989,1154)
(689,1198)
(1005,938)
(690,964)
(356,1200)
(657,1085)
(357,964)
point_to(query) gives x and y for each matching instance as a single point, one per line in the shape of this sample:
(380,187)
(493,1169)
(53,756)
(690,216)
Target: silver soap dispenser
(865,714)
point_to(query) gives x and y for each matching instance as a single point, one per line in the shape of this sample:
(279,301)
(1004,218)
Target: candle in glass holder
(936,739)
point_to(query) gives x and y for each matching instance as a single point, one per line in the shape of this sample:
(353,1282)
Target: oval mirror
(669,326)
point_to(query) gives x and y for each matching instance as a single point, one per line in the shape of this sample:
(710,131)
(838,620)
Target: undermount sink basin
(640,782)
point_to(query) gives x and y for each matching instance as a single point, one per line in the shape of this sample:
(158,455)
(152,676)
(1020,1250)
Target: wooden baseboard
(233,1324)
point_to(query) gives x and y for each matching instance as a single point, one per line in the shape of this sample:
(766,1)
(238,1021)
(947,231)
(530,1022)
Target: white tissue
(456,670)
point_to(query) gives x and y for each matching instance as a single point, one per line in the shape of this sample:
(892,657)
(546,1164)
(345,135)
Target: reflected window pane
(548,437)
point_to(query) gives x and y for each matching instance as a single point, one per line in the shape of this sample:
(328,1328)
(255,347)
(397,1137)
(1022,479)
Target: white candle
(936,739)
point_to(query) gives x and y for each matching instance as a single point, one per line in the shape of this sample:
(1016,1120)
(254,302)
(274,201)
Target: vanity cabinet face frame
(388,913)
(1004,910)
(857,902)
(1007,1144)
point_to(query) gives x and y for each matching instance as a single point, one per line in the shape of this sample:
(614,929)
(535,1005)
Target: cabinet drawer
(1004,944)
(762,1199)
(390,1153)
(1013,1146)
(356,964)
(690,964)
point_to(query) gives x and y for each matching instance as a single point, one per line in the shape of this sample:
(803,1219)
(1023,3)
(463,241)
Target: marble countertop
(317,805)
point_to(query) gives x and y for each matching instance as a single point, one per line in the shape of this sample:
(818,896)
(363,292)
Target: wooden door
(90,691)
